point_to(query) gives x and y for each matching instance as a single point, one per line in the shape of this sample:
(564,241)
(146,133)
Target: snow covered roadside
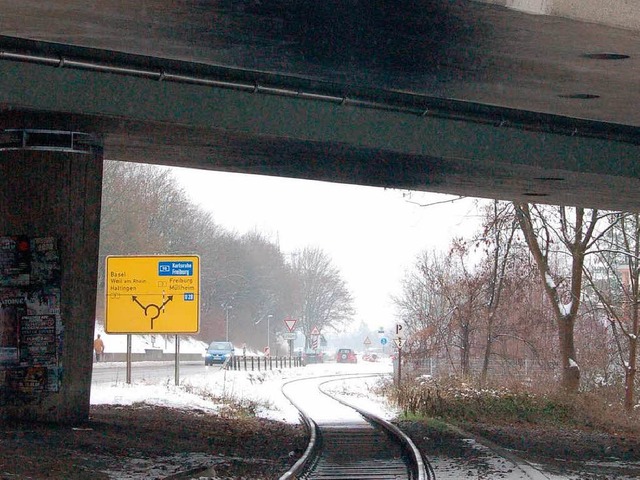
(215,389)
(361,393)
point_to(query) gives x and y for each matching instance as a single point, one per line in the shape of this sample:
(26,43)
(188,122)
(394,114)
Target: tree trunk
(630,371)
(577,247)
(630,377)
(465,351)
(570,370)
(487,352)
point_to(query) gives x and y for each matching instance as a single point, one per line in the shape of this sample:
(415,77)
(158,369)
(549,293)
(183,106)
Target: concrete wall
(538,7)
(614,13)
(151,357)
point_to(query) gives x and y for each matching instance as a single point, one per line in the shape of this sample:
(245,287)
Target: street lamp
(269,317)
(227,308)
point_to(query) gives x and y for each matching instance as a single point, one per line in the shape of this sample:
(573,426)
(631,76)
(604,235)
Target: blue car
(218,352)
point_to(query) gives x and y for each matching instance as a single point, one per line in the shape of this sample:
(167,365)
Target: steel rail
(423,470)
(333,452)
(312,447)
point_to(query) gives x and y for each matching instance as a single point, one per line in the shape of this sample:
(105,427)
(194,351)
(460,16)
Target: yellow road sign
(154,294)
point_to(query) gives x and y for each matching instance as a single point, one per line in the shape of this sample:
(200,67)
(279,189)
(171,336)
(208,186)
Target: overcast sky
(371,234)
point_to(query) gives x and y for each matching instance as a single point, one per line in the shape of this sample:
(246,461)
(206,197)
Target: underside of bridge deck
(461,97)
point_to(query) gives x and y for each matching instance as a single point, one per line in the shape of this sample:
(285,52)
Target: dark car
(312,356)
(218,352)
(346,355)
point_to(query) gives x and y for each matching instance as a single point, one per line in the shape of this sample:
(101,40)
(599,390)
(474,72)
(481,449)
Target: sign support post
(128,359)
(399,340)
(399,366)
(177,362)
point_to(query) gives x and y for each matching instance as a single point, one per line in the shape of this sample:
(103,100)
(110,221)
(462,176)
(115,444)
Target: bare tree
(615,281)
(425,311)
(134,199)
(323,299)
(574,231)
(439,305)
(465,293)
(497,236)
(480,303)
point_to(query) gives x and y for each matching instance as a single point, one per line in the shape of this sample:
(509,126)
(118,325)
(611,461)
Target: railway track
(348,443)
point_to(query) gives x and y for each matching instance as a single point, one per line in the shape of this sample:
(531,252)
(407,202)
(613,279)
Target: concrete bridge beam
(614,13)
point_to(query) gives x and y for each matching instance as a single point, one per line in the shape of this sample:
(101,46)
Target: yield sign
(290,323)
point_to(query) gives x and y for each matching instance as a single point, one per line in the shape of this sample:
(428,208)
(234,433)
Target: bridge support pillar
(50,197)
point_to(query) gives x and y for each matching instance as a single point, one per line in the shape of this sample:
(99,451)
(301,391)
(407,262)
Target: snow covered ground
(139,343)
(215,388)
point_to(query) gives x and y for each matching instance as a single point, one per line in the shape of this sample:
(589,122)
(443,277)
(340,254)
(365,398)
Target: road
(156,372)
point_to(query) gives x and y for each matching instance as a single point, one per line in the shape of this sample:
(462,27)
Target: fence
(248,363)
(264,363)
(503,368)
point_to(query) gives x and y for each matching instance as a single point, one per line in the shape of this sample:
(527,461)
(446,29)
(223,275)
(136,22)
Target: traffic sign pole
(399,341)
(128,359)
(177,360)
(399,366)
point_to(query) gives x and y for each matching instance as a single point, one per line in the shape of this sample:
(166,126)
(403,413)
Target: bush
(456,401)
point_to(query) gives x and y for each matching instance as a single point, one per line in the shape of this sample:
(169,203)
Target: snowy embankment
(214,389)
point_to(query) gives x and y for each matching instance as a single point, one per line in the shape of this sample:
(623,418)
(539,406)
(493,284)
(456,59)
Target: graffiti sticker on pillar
(28,380)
(30,323)
(45,262)
(15,261)
(12,307)
(155,294)
(38,340)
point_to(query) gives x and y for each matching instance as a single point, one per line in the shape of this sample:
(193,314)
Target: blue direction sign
(175,269)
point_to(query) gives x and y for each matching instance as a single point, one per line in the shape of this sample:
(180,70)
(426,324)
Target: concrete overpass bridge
(534,102)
